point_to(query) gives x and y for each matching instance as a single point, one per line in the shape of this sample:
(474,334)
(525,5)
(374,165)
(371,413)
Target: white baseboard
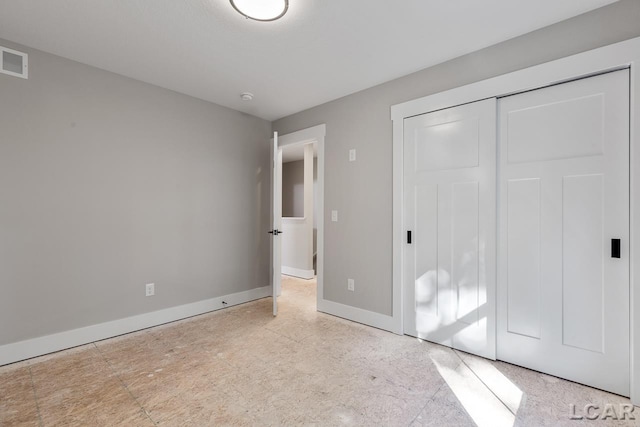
(22,350)
(297,272)
(366,317)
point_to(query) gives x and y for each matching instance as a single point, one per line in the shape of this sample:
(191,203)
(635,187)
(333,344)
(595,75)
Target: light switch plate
(150,289)
(352,155)
(351,285)
(334,216)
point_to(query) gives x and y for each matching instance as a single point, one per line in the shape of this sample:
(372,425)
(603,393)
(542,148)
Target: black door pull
(275,232)
(409,237)
(615,248)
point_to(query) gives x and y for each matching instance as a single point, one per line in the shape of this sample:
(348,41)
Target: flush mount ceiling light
(261,10)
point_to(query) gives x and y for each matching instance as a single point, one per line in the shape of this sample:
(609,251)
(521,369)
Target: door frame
(614,57)
(310,135)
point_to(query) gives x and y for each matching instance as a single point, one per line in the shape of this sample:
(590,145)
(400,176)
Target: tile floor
(242,366)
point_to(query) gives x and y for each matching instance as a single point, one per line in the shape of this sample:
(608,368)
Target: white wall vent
(14,63)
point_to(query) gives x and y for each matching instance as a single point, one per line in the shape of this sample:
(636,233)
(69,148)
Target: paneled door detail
(563,290)
(450,221)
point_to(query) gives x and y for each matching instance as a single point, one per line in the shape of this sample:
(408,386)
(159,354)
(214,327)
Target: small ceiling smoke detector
(246,96)
(261,10)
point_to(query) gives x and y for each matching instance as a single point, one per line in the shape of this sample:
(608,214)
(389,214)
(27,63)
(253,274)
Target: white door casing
(563,301)
(449,208)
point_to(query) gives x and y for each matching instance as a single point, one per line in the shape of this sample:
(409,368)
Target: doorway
(299,223)
(298,212)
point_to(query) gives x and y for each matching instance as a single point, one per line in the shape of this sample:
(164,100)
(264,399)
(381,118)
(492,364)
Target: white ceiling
(321,50)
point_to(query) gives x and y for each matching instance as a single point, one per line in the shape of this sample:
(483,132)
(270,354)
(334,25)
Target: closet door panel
(563,299)
(449,188)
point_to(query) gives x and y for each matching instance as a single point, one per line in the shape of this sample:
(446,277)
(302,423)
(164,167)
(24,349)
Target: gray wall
(293,189)
(293,193)
(107,184)
(359,245)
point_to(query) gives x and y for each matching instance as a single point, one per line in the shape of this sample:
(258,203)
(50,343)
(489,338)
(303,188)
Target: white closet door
(449,208)
(563,300)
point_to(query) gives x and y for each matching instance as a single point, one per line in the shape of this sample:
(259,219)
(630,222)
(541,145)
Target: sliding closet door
(563,298)
(450,219)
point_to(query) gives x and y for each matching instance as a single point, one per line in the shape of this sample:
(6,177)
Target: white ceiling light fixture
(246,96)
(261,10)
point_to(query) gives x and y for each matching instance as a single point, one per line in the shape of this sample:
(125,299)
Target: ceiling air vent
(13,63)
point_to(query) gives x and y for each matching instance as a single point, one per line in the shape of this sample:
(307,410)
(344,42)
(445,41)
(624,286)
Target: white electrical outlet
(334,216)
(150,289)
(351,285)
(352,155)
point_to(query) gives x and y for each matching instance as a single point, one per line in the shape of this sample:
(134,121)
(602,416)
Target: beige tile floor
(241,366)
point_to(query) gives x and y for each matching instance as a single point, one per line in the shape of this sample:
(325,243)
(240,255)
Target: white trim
(294,219)
(355,314)
(634,228)
(398,224)
(609,58)
(14,352)
(304,136)
(25,63)
(298,272)
(316,135)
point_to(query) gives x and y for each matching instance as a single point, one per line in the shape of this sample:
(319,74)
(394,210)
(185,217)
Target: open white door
(276,193)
